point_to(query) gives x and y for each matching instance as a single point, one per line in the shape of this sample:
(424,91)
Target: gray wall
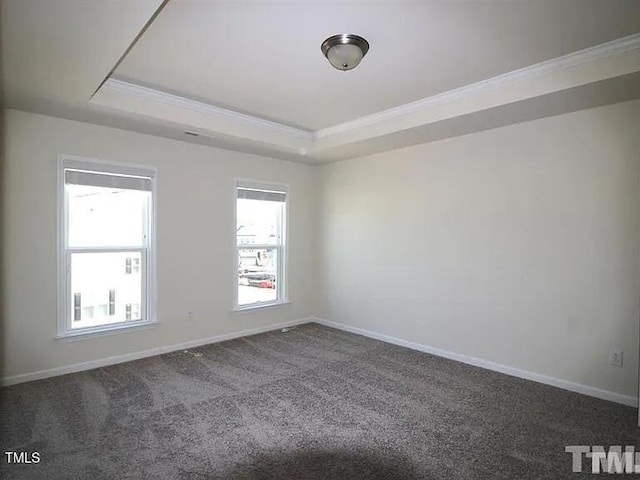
(519,245)
(195,235)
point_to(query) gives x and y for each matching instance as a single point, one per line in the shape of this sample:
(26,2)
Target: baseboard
(475,361)
(127,357)
(479,362)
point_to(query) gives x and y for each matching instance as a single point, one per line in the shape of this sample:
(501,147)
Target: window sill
(258,306)
(103,331)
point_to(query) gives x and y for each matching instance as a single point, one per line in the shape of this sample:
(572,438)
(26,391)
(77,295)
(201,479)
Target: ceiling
(264,58)
(250,76)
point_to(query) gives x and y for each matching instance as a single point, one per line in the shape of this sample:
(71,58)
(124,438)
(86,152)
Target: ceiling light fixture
(345,51)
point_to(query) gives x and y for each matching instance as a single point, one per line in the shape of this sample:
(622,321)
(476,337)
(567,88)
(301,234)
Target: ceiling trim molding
(596,63)
(574,59)
(147,93)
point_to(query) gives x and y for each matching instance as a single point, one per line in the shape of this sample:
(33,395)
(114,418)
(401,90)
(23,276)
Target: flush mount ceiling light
(345,51)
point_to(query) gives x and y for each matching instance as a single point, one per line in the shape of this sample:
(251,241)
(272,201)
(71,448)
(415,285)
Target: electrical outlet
(191,315)
(615,357)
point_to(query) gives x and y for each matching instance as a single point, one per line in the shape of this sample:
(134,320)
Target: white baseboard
(479,362)
(127,357)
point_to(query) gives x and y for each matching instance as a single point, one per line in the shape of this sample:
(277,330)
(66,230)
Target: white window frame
(148,307)
(282,289)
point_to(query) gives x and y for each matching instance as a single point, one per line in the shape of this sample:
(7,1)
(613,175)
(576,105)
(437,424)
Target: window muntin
(260,244)
(106,257)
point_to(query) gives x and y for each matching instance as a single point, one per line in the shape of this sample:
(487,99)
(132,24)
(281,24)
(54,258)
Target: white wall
(519,245)
(194,239)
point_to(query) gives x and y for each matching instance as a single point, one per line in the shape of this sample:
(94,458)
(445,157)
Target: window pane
(104,290)
(106,217)
(259,222)
(257,275)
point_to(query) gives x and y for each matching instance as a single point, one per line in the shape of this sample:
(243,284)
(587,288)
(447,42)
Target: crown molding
(574,59)
(600,62)
(139,99)
(202,107)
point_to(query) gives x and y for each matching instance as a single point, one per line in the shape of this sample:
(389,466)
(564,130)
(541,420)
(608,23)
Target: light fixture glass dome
(345,51)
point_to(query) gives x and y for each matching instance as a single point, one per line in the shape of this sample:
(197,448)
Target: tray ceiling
(250,75)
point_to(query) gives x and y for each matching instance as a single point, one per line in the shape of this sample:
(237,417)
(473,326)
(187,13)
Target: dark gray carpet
(311,403)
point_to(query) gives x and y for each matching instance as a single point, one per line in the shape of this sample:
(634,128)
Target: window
(261,217)
(106,236)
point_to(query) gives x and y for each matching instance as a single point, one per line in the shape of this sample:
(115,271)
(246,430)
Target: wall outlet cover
(615,357)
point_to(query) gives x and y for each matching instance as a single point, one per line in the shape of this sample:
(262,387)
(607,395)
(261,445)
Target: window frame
(282,284)
(64,252)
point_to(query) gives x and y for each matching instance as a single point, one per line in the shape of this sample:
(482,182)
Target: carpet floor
(310,403)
